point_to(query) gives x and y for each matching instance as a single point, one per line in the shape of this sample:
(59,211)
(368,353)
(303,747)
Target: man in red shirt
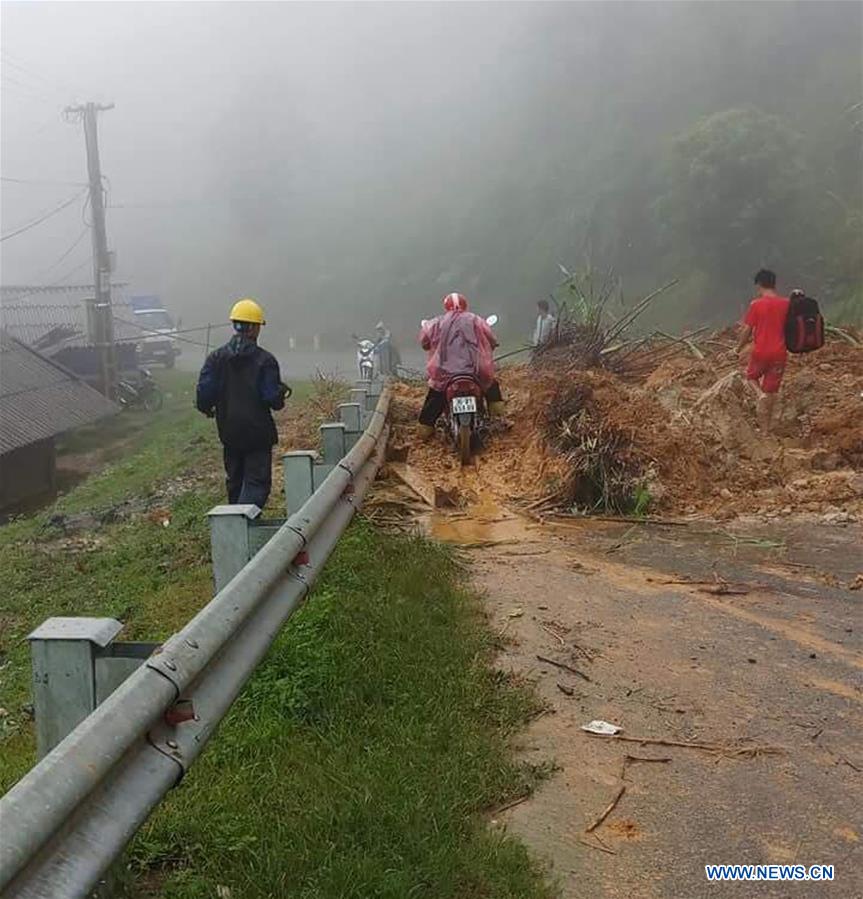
(764,324)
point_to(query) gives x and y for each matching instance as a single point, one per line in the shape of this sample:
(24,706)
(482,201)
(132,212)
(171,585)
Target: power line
(71,271)
(172,336)
(46,83)
(63,277)
(42,218)
(40,181)
(75,243)
(28,90)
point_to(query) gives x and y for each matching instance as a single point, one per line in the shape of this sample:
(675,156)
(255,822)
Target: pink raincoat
(458,343)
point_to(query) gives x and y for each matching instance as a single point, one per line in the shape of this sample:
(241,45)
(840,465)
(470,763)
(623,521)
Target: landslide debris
(670,431)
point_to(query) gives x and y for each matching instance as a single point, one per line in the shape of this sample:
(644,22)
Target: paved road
(777,666)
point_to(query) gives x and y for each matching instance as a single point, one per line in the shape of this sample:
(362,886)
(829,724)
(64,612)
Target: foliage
(735,180)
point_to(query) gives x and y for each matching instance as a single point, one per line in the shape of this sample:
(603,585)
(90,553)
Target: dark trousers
(435,403)
(248,475)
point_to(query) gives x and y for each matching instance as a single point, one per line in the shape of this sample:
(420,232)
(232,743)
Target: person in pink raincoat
(458,343)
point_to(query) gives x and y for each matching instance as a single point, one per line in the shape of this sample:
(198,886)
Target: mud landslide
(682,435)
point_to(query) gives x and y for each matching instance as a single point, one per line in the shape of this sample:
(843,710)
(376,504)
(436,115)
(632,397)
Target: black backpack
(804,327)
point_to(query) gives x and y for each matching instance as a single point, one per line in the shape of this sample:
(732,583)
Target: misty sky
(320,156)
(233,122)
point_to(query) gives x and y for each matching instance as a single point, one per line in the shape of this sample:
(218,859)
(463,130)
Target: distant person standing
(545,323)
(764,325)
(386,355)
(240,385)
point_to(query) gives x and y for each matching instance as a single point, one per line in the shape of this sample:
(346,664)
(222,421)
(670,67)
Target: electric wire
(75,243)
(42,218)
(47,83)
(39,181)
(172,336)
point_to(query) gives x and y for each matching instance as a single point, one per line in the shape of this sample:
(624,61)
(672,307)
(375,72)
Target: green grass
(150,577)
(166,444)
(359,758)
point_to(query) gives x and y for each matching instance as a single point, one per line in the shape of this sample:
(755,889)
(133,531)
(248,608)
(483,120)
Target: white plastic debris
(603,728)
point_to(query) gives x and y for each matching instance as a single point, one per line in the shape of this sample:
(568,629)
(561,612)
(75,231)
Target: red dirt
(685,429)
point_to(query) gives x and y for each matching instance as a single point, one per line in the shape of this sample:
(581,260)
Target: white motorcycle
(365,359)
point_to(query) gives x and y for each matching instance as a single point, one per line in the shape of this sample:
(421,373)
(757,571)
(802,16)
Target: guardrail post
(351,416)
(333,442)
(299,478)
(63,653)
(358,395)
(376,388)
(229,540)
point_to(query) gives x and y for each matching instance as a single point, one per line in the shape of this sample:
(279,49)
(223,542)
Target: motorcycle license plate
(463,404)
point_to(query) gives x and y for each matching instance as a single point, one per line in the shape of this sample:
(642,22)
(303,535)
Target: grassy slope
(356,762)
(146,575)
(358,758)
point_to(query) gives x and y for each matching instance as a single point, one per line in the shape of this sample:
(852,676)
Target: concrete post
(375,389)
(63,653)
(299,478)
(351,416)
(333,442)
(229,540)
(358,395)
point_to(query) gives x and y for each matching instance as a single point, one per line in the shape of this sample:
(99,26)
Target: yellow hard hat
(247,310)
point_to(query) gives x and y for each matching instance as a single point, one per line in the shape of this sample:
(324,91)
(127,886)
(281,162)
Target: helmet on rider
(455,302)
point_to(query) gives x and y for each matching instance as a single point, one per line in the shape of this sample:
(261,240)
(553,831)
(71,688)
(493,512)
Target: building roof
(51,326)
(40,399)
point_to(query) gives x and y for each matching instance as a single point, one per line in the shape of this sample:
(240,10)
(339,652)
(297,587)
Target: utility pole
(100,315)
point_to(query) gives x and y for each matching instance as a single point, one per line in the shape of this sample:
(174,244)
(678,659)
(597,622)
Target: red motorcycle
(466,412)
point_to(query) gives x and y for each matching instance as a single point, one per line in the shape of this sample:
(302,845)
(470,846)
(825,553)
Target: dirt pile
(675,433)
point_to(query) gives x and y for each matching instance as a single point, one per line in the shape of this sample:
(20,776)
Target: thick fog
(349,162)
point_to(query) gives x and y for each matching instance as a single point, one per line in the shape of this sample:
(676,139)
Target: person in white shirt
(545,323)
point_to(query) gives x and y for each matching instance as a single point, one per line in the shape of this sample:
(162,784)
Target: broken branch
(564,666)
(607,811)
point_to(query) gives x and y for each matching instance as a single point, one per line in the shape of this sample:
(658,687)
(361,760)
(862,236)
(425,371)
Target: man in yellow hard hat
(240,385)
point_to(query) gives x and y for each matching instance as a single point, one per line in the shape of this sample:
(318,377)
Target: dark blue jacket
(241,383)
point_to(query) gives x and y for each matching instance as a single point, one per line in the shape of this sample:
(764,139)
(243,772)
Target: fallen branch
(557,637)
(607,811)
(512,804)
(718,748)
(618,519)
(832,329)
(527,552)
(625,321)
(686,340)
(564,666)
(724,590)
(596,846)
(630,759)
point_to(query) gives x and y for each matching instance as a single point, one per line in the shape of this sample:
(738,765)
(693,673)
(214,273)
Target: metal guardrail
(69,818)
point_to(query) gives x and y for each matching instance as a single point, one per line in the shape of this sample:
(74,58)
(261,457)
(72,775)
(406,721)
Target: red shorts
(766,372)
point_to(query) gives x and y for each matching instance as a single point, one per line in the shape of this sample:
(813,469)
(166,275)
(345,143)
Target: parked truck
(158,332)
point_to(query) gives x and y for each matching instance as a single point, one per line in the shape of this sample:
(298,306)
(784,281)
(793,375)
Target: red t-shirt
(766,316)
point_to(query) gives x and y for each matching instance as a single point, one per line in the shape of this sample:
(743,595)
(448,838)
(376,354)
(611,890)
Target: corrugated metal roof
(50,326)
(40,399)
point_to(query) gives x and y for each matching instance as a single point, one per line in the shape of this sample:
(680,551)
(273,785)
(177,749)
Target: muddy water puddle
(486,522)
(461,508)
